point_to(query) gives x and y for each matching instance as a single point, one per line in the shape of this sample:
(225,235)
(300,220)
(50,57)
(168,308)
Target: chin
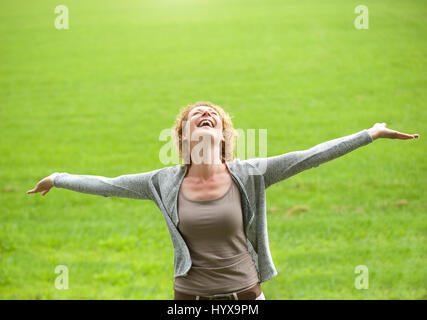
(206,131)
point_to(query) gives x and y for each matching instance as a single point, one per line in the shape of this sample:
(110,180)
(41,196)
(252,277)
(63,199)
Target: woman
(214,205)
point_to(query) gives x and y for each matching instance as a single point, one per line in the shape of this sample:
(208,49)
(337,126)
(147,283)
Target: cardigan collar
(172,196)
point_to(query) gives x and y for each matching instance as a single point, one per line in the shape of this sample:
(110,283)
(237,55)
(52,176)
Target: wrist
(52,177)
(373,132)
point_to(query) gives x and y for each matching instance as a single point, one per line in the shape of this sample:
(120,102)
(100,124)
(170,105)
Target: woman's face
(204,121)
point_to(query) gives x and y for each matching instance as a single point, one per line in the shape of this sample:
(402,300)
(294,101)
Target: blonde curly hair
(227,148)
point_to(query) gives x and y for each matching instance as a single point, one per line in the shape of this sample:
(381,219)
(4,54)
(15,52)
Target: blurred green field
(93,100)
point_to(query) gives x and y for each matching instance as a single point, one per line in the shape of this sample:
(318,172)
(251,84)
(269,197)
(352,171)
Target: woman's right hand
(44,185)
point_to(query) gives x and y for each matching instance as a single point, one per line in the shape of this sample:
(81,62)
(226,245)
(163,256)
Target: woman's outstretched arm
(281,167)
(134,186)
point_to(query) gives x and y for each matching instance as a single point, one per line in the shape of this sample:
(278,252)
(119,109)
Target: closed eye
(214,112)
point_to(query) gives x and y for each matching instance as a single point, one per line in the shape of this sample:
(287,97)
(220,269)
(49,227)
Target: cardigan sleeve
(134,186)
(281,167)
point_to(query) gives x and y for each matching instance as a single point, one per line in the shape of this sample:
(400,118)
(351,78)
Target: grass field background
(93,100)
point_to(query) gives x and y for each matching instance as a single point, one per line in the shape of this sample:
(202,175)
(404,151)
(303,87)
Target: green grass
(93,100)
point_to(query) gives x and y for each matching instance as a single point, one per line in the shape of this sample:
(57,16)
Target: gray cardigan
(252,176)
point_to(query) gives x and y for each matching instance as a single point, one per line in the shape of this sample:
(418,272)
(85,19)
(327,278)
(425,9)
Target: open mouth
(206,123)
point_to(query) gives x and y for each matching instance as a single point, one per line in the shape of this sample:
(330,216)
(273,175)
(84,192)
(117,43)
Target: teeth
(205,122)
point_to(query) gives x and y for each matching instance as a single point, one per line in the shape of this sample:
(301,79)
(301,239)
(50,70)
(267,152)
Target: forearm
(278,168)
(125,186)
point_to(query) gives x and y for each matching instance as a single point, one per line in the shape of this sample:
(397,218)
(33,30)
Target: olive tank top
(213,231)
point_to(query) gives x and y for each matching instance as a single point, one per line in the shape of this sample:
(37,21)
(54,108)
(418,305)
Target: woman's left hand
(380,131)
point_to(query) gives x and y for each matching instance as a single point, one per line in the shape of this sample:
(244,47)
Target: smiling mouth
(206,123)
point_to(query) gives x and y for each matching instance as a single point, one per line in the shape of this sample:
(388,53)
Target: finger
(411,135)
(44,192)
(401,135)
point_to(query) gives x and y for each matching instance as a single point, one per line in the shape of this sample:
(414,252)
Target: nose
(203,113)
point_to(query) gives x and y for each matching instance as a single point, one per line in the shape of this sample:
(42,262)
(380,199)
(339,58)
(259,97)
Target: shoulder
(245,167)
(170,172)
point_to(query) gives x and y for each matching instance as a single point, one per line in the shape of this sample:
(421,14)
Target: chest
(214,220)
(209,190)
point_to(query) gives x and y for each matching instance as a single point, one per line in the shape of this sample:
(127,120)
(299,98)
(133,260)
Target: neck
(205,171)
(207,166)
(209,162)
